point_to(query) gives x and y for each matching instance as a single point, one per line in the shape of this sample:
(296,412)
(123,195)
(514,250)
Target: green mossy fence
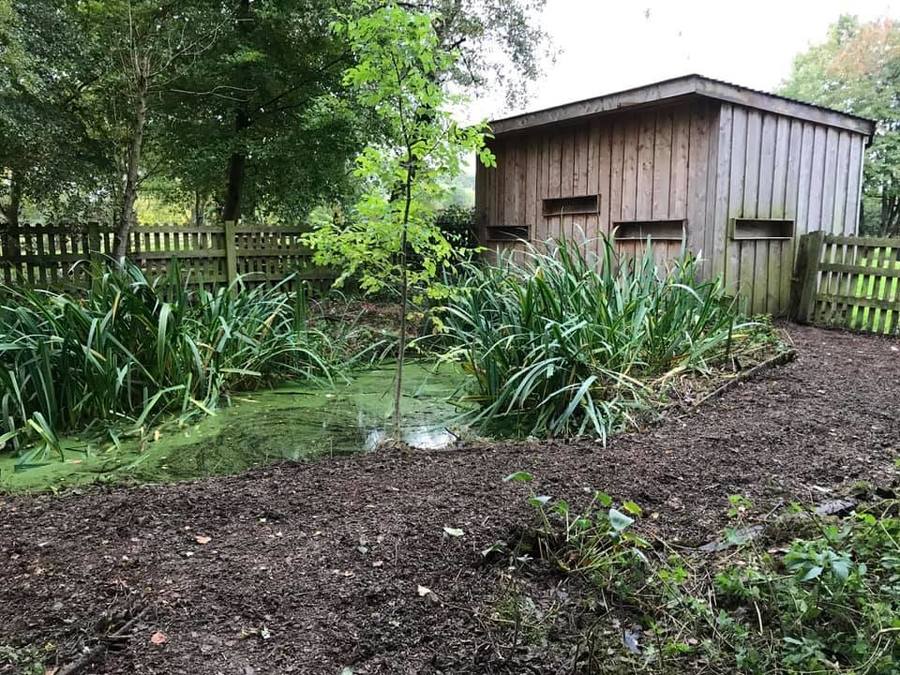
(47,255)
(848,282)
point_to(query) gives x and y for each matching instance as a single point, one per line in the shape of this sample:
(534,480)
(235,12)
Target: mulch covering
(311,568)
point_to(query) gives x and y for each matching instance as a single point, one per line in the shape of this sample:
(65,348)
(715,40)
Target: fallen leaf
(423,591)
(159,638)
(203,539)
(454,531)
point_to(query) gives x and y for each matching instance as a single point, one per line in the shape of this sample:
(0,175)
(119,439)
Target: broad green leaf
(619,521)
(519,477)
(812,573)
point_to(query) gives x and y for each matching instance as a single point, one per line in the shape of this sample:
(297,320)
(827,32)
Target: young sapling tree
(403,173)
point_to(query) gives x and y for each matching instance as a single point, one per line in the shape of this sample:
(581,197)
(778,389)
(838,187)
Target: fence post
(806,276)
(93,231)
(95,252)
(230,252)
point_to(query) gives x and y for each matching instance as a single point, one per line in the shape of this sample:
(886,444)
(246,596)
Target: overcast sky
(609,45)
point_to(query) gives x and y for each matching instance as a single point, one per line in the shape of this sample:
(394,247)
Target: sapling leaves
(391,239)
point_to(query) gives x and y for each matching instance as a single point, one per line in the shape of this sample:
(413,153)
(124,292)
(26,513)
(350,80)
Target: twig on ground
(94,652)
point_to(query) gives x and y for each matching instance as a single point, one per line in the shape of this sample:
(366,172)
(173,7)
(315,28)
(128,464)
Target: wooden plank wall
(702,161)
(771,166)
(650,165)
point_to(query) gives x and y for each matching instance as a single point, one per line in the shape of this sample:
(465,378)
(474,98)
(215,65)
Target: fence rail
(44,255)
(849,282)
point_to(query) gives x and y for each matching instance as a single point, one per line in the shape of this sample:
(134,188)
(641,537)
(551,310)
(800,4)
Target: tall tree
(267,112)
(500,43)
(264,123)
(142,48)
(857,69)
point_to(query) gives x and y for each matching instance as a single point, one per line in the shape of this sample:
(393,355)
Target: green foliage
(27,660)
(131,350)
(213,101)
(404,172)
(560,347)
(270,91)
(832,602)
(596,541)
(857,69)
(500,44)
(829,602)
(49,153)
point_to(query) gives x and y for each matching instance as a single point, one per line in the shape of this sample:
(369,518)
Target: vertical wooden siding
(701,161)
(651,165)
(771,166)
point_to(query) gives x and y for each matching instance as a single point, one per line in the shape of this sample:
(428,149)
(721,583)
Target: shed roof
(681,87)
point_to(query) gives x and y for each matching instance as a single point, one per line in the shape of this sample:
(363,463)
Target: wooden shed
(732,174)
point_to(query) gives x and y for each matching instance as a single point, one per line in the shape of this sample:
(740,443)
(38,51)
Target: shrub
(562,345)
(130,349)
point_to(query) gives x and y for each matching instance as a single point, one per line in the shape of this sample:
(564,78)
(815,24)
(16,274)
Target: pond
(292,422)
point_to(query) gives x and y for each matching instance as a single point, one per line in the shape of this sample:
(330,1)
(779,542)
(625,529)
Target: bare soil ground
(311,568)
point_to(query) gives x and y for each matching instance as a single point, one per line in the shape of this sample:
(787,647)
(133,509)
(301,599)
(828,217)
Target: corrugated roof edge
(685,85)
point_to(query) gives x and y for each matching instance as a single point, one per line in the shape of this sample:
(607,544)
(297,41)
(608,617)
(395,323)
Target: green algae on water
(288,423)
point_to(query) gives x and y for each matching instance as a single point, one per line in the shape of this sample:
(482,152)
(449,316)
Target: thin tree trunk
(11,212)
(404,301)
(236,166)
(238,161)
(198,208)
(10,237)
(133,163)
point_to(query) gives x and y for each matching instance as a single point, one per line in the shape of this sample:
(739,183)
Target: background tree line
(236,107)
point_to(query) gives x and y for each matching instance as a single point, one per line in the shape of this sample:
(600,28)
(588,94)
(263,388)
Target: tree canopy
(857,70)
(235,108)
(50,151)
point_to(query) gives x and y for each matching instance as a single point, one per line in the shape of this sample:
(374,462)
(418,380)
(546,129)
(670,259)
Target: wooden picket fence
(848,282)
(47,255)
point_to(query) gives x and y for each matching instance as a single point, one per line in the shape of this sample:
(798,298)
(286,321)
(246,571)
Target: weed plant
(827,601)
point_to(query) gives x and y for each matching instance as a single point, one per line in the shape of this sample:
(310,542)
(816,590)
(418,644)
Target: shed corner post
(805,280)
(230,252)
